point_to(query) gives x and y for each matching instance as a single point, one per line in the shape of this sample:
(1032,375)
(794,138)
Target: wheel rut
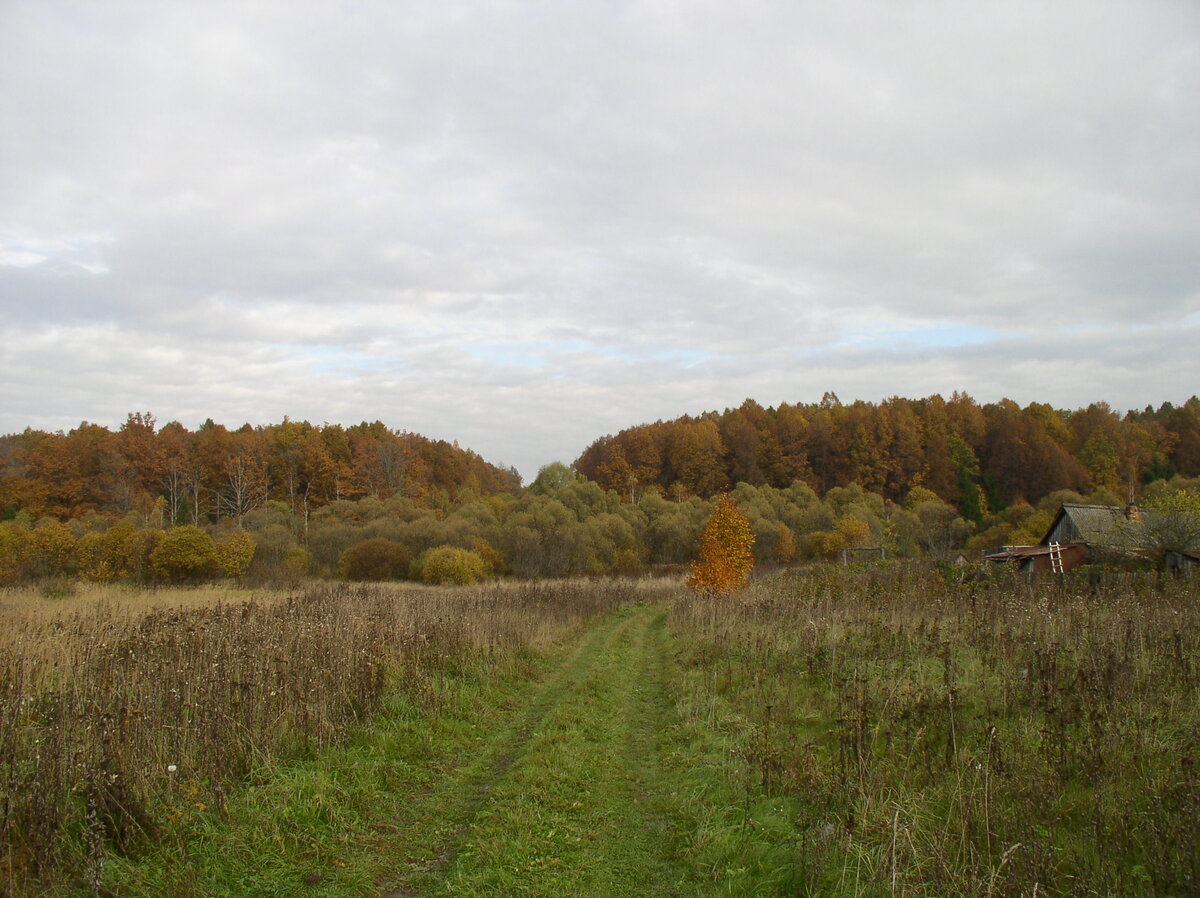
(475,788)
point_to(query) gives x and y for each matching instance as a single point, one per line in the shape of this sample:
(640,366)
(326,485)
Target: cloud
(524,226)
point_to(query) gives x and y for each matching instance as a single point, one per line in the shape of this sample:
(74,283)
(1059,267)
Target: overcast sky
(525,225)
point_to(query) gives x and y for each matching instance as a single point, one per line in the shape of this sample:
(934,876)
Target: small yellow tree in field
(726,558)
(235,554)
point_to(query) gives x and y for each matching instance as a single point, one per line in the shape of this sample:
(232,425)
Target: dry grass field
(929,737)
(122,711)
(829,732)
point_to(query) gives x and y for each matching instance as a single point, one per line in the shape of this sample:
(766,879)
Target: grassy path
(547,780)
(566,801)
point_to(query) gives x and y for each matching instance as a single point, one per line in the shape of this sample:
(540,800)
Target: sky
(524,225)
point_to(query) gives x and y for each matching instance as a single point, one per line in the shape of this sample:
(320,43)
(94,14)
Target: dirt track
(564,800)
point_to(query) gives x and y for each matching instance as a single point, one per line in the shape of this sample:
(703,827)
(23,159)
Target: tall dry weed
(983,738)
(116,716)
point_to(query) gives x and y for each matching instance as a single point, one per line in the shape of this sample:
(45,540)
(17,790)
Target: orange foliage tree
(726,558)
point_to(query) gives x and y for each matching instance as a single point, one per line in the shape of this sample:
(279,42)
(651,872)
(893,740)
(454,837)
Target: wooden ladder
(1056,562)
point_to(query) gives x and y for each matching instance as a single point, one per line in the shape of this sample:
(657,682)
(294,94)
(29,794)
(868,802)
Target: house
(1079,534)
(1095,526)
(1087,534)
(1178,563)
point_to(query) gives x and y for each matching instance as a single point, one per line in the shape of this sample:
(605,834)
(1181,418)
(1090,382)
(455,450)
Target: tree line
(172,476)
(979,458)
(288,501)
(560,525)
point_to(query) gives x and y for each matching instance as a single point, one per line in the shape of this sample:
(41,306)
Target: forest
(178,476)
(976,457)
(279,503)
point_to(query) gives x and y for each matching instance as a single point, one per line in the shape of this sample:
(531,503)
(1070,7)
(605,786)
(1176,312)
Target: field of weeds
(121,712)
(923,737)
(829,732)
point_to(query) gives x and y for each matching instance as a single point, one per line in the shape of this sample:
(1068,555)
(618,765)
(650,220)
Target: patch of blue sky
(685,354)
(571,346)
(534,354)
(82,253)
(15,256)
(324,359)
(510,355)
(635,353)
(938,336)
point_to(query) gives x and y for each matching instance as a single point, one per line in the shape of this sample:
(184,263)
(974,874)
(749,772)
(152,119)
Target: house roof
(1063,558)
(1016,553)
(1096,525)
(1109,528)
(1100,526)
(1021,552)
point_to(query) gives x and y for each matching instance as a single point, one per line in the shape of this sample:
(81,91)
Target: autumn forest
(918,476)
(971,456)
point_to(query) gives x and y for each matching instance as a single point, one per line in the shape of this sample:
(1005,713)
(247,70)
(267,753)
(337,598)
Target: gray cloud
(525,226)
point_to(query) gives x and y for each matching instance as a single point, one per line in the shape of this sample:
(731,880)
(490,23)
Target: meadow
(830,731)
(933,737)
(122,711)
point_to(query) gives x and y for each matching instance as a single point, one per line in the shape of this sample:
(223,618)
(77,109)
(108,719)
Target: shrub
(90,553)
(271,547)
(122,553)
(327,540)
(184,555)
(53,548)
(449,565)
(14,552)
(141,549)
(375,559)
(235,553)
(493,561)
(784,549)
(296,565)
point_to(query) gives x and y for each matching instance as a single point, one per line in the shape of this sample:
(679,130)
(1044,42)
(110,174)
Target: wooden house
(1078,535)
(1095,526)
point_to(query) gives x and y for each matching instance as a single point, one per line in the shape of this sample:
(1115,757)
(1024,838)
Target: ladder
(1056,562)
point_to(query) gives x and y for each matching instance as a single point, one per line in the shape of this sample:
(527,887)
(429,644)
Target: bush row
(183,555)
(562,525)
(178,555)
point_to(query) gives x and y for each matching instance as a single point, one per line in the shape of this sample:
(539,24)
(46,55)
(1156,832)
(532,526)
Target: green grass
(572,775)
(922,738)
(576,814)
(126,730)
(343,821)
(857,735)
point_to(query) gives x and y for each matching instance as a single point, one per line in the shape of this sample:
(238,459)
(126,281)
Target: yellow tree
(235,553)
(726,558)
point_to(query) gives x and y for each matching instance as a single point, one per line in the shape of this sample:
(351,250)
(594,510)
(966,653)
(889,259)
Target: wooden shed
(1042,559)
(1096,526)
(1078,535)
(1085,534)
